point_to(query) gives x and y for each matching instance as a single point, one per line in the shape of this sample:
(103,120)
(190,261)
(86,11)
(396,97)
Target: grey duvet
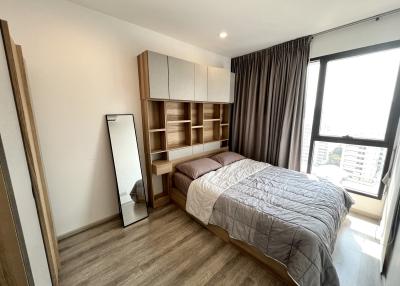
(289,216)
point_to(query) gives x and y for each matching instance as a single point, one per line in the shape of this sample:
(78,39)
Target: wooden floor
(169,248)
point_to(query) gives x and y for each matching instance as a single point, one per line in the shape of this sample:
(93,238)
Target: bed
(286,219)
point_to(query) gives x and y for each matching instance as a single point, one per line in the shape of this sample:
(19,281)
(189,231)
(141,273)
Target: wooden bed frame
(180,200)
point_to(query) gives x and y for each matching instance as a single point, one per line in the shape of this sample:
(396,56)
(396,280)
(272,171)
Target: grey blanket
(288,216)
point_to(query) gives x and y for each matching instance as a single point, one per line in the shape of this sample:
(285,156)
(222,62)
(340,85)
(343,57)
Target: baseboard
(366,214)
(86,227)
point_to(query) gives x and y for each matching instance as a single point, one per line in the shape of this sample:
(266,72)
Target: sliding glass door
(352,110)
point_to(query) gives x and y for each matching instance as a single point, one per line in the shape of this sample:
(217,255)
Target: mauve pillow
(226,158)
(199,167)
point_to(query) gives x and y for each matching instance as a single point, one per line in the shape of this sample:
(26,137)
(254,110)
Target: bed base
(275,266)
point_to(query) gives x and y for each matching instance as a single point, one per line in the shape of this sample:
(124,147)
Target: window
(351,112)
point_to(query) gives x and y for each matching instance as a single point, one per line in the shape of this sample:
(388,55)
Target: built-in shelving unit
(186,124)
(185,114)
(176,125)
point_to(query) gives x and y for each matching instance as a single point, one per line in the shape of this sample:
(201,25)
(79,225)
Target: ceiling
(251,24)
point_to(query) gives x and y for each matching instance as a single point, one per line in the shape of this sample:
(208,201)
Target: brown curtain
(269,97)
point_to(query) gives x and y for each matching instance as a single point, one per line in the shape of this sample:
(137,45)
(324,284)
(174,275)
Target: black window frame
(393,119)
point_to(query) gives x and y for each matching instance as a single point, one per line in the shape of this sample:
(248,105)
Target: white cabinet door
(219,83)
(197,149)
(180,153)
(200,82)
(181,79)
(158,75)
(212,146)
(232,89)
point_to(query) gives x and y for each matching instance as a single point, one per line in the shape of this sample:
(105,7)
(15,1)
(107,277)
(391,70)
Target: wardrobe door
(181,79)
(200,82)
(158,75)
(32,150)
(218,84)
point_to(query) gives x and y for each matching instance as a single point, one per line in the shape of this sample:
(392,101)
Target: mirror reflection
(131,190)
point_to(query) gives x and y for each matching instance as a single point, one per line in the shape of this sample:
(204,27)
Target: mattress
(287,215)
(182,182)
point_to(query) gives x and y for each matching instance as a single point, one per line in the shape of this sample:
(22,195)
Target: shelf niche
(225,113)
(197,114)
(211,131)
(157,142)
(177,111)
(178,135)
(197,136)
(156,116)
(211,111)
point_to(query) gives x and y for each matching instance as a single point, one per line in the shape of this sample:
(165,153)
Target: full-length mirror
(131,190)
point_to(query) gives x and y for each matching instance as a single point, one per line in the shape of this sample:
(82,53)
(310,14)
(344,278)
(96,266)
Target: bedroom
(286,84)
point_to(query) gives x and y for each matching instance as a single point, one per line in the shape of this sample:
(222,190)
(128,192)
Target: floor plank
(169,248)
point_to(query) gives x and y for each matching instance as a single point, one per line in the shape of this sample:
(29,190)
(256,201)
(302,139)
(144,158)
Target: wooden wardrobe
(27,124)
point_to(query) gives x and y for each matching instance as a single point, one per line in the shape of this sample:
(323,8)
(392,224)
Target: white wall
(19,175)
(393,274)
(357,36)
(365,34)
(82,65)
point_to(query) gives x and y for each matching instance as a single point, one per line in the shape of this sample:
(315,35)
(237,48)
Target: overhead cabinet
(200,82)
(169,78)
(219,85)
(181,79)
(157,75)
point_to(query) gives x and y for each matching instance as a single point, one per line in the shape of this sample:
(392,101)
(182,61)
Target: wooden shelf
(224,124)
(224,132)
(156,110)
(197,126)
(212,119)
(158,151)
(161,167)
(156,130)
(210,141)
(175,147)
(225,110)
(196,110)
(197,136)
(178,121)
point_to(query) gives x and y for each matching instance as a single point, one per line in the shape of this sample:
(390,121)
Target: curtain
(269,101)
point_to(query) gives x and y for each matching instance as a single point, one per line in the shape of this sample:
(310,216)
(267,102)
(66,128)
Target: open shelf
(157,142)
(177,111)
(197,114)
(224,143)
(178,121)
(211,131)
(212,119)
(157,130)
(224,132)
(156,111)
(225,109)
(211,111)
(197,126)
(178,135)
(197,136)
(159,156)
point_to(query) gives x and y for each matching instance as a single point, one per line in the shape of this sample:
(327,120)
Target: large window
(351,114)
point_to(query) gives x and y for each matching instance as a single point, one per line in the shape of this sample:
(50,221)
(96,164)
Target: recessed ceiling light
(223,35)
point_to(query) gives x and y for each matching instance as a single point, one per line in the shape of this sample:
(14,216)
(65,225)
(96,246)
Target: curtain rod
(372,18)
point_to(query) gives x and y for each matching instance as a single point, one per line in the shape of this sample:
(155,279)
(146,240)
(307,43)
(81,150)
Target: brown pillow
(199,167)
(226,158)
